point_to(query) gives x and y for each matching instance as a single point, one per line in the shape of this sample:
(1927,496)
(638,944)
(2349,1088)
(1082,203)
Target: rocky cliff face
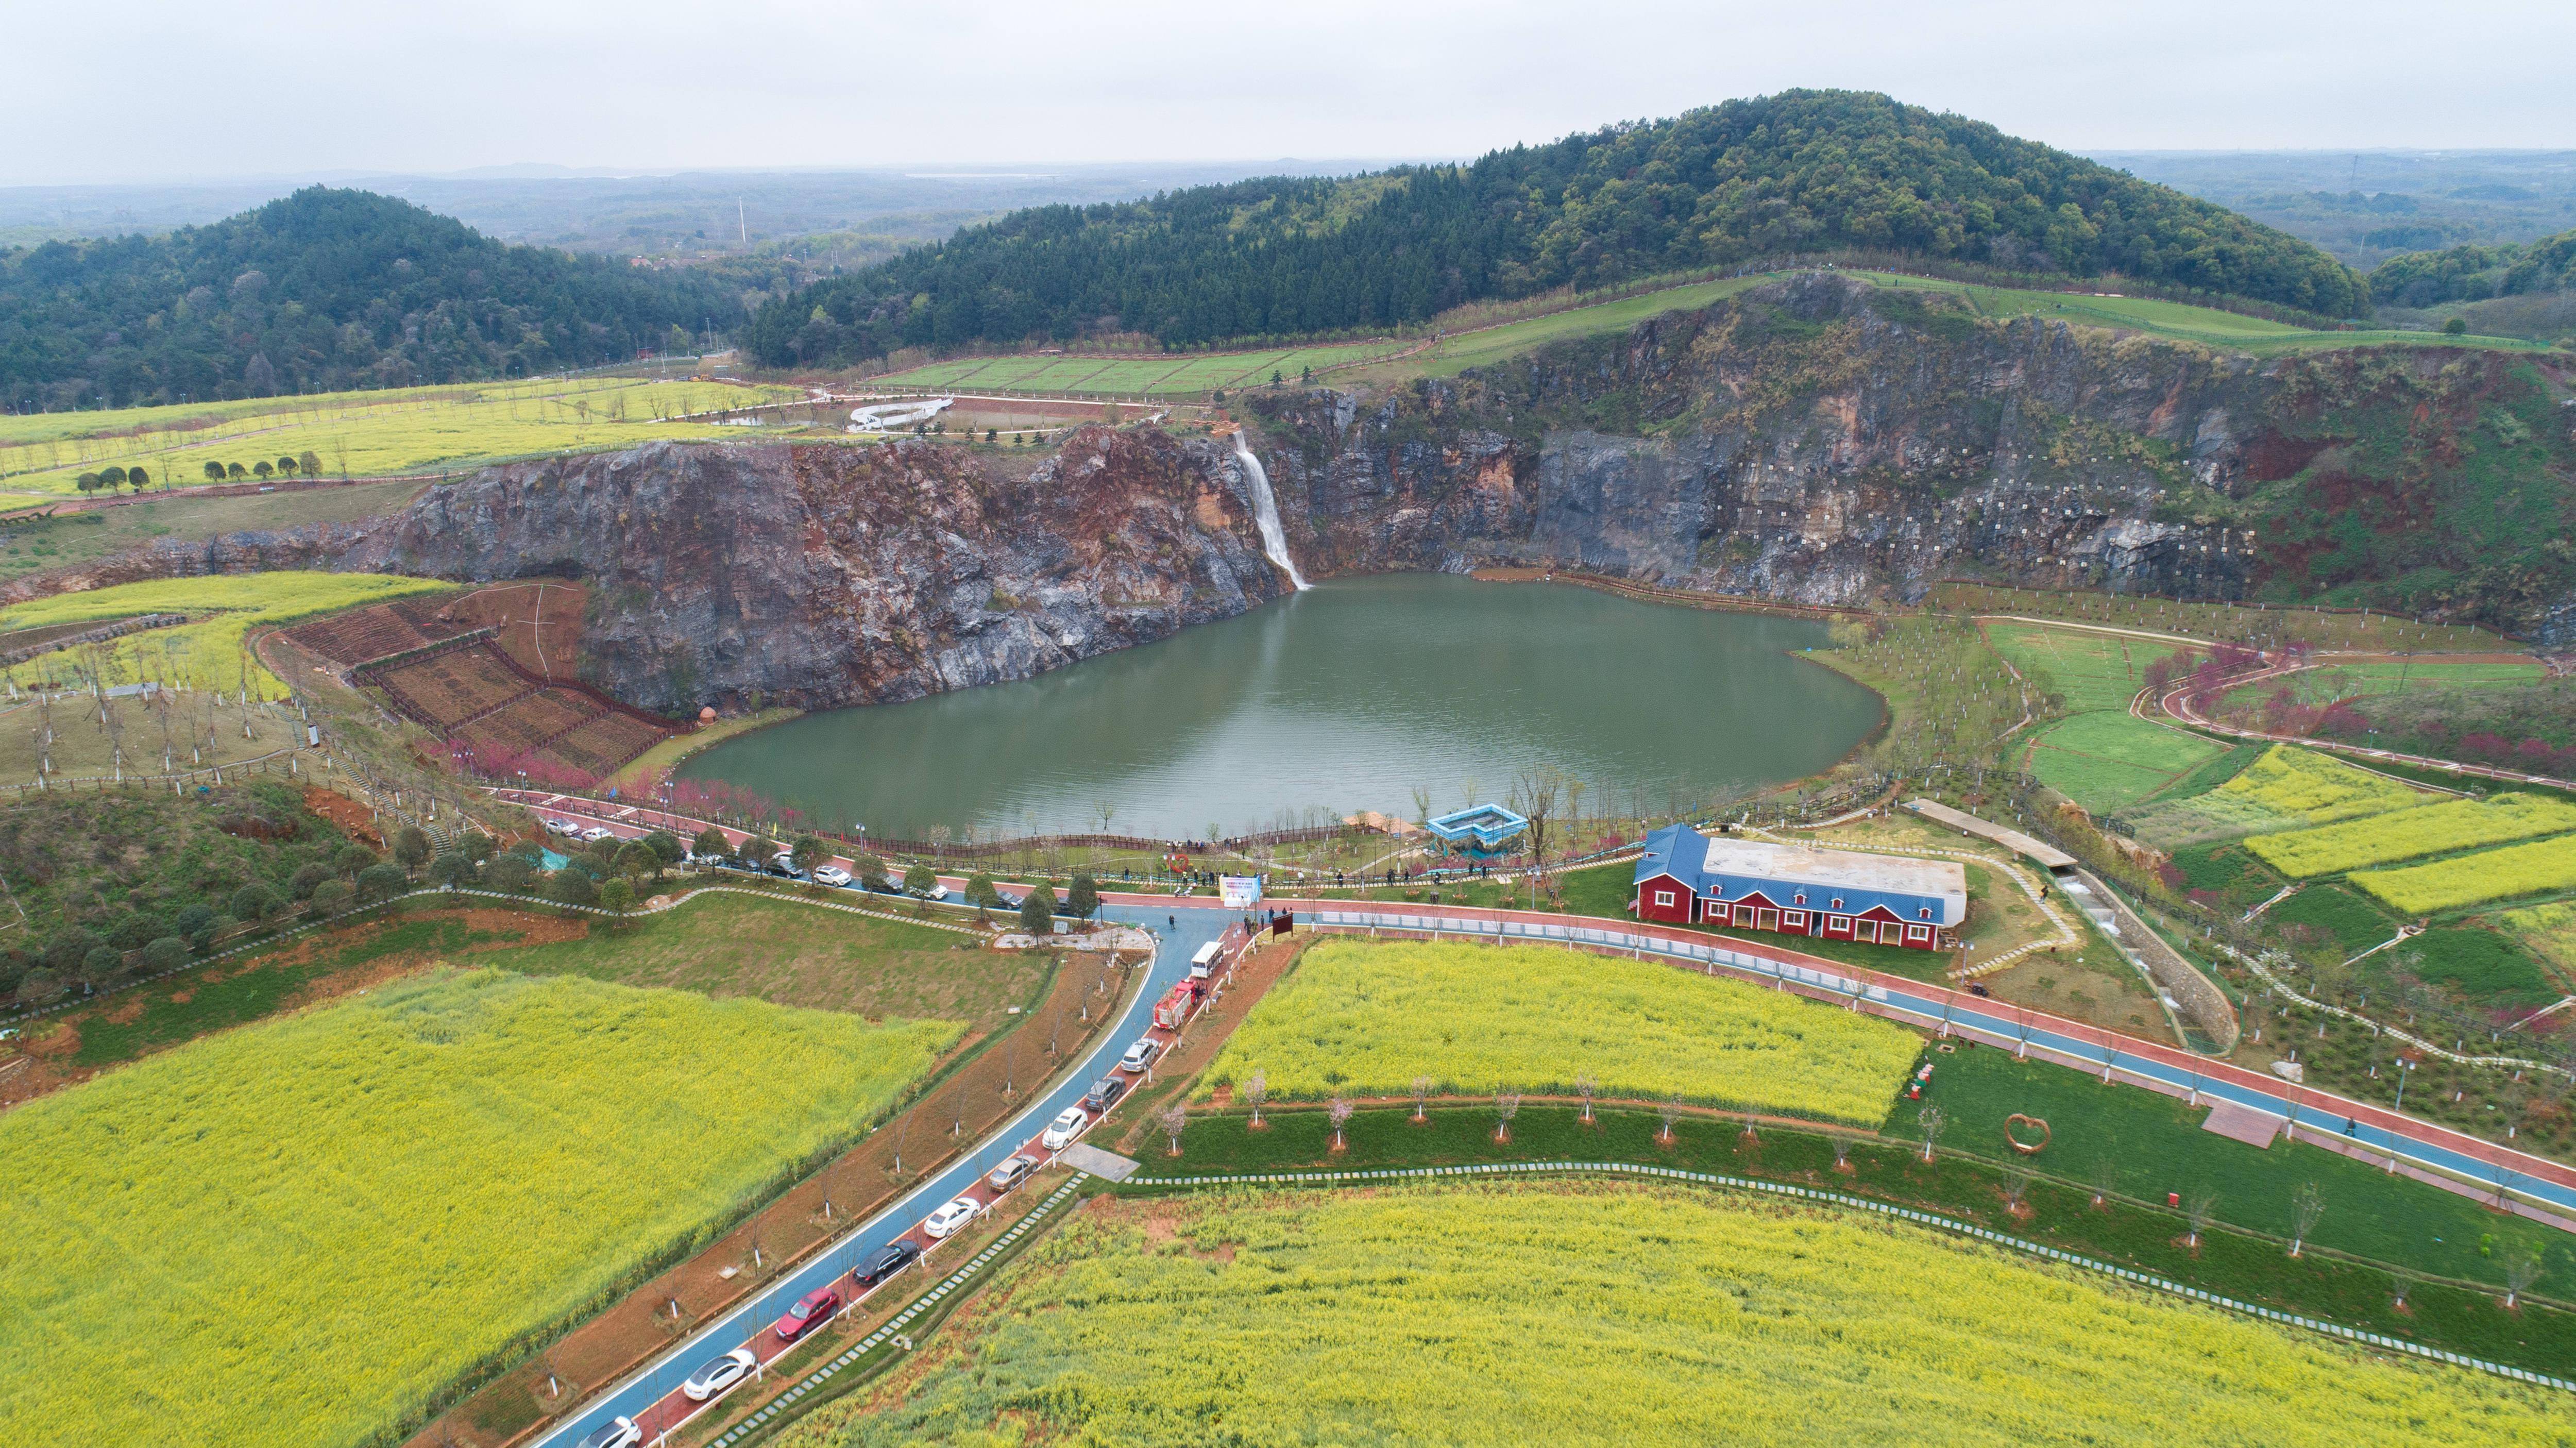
(1815,440)
(820,576)
(1824,441)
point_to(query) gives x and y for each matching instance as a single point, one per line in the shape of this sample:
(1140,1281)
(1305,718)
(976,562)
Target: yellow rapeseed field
(2288,787)
(1625,1316)
(2407,833)
(371,434)
(297,1232)
(208,652)
(2539,868)
(1367,1018)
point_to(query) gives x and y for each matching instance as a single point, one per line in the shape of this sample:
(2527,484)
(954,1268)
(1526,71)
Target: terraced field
(2406,834)
(2101,756)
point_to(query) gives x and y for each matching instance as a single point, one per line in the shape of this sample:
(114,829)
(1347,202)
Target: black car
(1104,1094)
(890,1259)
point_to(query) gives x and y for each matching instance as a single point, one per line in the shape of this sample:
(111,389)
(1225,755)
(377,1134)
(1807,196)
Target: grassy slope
(75,538)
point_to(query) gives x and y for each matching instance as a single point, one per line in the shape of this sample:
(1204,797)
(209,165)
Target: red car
(810,1312)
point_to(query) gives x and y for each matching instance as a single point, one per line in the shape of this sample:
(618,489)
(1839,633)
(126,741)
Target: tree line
(1797,173)
(2476,273)
(324,290)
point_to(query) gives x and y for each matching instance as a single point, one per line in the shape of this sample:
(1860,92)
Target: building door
(1770,919)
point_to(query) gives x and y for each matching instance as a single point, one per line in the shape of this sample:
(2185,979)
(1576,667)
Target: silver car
(719,1375)
(1010,1173)
(621,1432)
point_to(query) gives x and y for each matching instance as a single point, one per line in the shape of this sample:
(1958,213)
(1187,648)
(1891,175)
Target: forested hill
(1799,172)
(324,289)
(2474,273)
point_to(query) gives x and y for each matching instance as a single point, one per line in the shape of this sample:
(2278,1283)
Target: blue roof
(1489,825)
(1847,881)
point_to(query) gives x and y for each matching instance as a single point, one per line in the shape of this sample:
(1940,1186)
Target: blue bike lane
(1181,927)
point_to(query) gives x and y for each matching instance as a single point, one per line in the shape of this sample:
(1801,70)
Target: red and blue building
(1687,878)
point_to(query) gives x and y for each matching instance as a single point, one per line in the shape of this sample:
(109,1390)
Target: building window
(1799,899)
(1924,913)
(1838,902)
(1794,919)
(1918,932)
(1663,897)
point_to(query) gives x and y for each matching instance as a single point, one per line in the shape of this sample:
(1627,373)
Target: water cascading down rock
(1265,513)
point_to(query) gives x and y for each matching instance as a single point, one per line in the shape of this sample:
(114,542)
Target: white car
(621,1432)
(935,892)
(596,833)
(832,875)
(719,1375)
(948,1219)
(562,827)
(1067,1125)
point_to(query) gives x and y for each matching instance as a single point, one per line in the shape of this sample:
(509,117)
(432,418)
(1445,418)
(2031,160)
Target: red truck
(1175,1007)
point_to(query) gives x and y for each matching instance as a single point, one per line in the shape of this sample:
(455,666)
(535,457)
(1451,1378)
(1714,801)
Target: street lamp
(2404,1066)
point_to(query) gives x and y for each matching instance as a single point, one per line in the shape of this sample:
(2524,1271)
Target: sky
(159,91)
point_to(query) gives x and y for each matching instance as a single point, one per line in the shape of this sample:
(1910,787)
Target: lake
(1342,698)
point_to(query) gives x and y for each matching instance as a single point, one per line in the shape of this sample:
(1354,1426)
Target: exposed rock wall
(829,575)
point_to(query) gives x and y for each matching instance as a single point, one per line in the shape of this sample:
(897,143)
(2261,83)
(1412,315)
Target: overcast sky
(155,90)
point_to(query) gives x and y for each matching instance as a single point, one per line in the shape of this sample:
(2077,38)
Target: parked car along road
(1010,1174)
(1104,1093)
(719,1375)
(596,833)
(1140,1055)
(620,1433)
(946,1221)
(832,875)
(1067,1125)
(562,827)
(891,1258)
(808,1313)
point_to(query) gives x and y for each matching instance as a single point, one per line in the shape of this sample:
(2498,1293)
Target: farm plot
(604,742)
(1368,1018)
(449,689)
(372,633)
(2385,676)
(2549,932)
(2092,671)
(210,652)
(2406,834)
(2539,868)
(402,1184)
(2288,788)
(2107,762)
(1613,1315)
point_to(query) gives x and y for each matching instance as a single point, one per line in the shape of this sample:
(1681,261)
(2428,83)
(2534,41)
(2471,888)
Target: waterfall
(1265,512)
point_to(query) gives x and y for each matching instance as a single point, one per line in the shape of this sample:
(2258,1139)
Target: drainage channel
(785,1405)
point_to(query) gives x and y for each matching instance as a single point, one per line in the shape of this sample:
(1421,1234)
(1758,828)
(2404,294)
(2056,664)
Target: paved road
(651,1396)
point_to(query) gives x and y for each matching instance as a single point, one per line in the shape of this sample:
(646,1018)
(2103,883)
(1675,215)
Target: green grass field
(1593,1313)
(73,538)
(2181,320)
(2091,671)
(2108,762)
(1368,1018)
(1178,375)
(2359,681)
(368,434)
(2266,627)
(302,1230)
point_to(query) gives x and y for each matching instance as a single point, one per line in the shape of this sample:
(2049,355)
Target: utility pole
(742,219)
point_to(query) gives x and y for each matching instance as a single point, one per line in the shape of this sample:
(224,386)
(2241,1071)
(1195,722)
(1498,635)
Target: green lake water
(1338,699)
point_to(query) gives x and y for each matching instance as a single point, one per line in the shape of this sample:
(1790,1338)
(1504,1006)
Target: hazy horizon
(294,88)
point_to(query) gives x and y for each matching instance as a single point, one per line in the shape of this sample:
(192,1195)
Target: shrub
(103,966)
(1037,909)
(40,987)
(509,874)
(165,954)
(254,902)
(572,887)
(330,898)
(412,847)
(381,882)
(137,929)
(306,877)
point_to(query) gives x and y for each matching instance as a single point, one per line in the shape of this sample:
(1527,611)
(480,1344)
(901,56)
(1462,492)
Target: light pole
(2404,1066)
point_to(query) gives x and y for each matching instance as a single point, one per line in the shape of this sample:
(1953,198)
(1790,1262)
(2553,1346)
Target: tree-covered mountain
(321,290)
(1797,173)
(2476,273)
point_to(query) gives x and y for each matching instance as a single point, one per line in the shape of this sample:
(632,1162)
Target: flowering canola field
(2407,833)
(208,652)
(2539,868)
(1615,1315)
(297,1232)
(1367,1018)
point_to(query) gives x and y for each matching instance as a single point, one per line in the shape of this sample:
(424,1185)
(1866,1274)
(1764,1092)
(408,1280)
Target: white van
(1203,963)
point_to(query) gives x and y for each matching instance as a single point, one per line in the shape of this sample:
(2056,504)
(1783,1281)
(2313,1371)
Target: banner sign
(1239,892)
